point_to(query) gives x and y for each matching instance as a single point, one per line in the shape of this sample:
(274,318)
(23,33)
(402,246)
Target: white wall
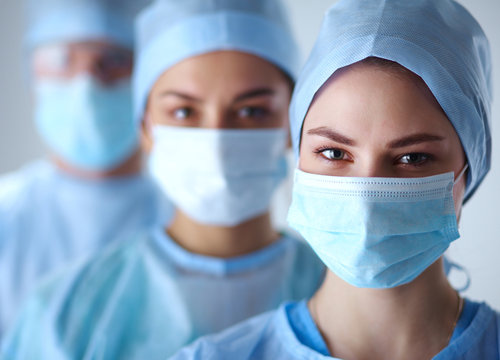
(478,249)
(18,140)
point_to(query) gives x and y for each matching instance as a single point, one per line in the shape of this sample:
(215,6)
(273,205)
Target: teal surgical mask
(85,123)
(375,232)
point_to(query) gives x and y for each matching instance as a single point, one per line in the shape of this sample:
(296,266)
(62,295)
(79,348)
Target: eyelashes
(411,159)
(182,113)
(415,159)
(331,154)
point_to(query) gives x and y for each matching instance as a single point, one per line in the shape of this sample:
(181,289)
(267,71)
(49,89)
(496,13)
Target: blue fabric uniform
(49,219)
(290,333)
(146,298)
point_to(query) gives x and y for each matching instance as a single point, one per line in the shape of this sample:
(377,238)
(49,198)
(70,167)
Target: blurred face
(106,62)
(368,121)
(83,107)
(226,90)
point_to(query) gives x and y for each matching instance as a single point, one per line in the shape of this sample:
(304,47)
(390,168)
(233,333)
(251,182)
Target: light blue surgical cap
(170,31)
(79,20)
(438,40)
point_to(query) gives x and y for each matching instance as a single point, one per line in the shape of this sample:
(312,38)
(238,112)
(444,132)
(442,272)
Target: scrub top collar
(471,336)
(218,266)
(467,340)
(288,338)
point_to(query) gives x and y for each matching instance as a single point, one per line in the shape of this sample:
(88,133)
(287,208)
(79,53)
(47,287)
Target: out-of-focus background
(478,250)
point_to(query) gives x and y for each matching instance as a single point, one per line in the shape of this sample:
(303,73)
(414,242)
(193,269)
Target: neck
(223,242)
(412,321)
(131,166)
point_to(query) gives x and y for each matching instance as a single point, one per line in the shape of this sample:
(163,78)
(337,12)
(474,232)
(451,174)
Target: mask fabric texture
(219,177)
(85,123)
(375,232)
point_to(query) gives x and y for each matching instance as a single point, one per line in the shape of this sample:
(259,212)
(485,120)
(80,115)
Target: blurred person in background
(91,188)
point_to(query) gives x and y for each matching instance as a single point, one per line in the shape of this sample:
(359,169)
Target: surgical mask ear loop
(462,172)
(449,266)
(466,166)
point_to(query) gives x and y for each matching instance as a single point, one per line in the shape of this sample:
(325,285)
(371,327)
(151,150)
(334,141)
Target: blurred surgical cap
(438,40)
(170,31)
(81,20)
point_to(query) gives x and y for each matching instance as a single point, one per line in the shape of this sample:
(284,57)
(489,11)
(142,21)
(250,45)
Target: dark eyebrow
(255,93)
(179,95)
(332,135)
(241,97)
(414,140)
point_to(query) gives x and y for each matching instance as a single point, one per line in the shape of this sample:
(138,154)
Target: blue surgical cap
(170,31)
(81,20)
(438,40)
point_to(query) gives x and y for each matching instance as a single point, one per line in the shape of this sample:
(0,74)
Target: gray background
(479,247)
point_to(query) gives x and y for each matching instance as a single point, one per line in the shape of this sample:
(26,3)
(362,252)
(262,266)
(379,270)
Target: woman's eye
(251,111)
(333,154)
(183,113)
(115,62)
(414,158)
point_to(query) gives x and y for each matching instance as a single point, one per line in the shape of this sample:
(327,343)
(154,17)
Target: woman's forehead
(369,94)
(390,68)
(232,70)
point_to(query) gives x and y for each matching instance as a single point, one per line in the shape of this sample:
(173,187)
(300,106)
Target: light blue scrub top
(290,333)
(49,219)
(146,298)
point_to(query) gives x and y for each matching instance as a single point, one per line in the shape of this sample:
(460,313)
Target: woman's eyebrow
(255,93)
(332,135)
(179,95)
(414,140)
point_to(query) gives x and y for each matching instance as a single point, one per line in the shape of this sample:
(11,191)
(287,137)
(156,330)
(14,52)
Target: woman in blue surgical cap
(91,188)
(389,120)
(212,85)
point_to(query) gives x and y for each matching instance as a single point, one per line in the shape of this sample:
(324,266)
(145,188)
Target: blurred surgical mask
(219,177)
(85,123)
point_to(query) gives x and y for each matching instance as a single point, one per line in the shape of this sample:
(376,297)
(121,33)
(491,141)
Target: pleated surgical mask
(85,123)
(375,232)
(219,177)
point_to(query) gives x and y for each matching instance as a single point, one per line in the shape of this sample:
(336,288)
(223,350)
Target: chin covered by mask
(85,123)
(219,177)
(375,232)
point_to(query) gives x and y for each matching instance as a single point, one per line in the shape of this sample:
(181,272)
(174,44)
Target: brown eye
(183,113)
(115,61)
(414,158)
(252,111)
(333,154)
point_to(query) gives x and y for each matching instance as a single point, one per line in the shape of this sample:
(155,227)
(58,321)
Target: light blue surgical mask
(219,177)
(375,232)
(85,123)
